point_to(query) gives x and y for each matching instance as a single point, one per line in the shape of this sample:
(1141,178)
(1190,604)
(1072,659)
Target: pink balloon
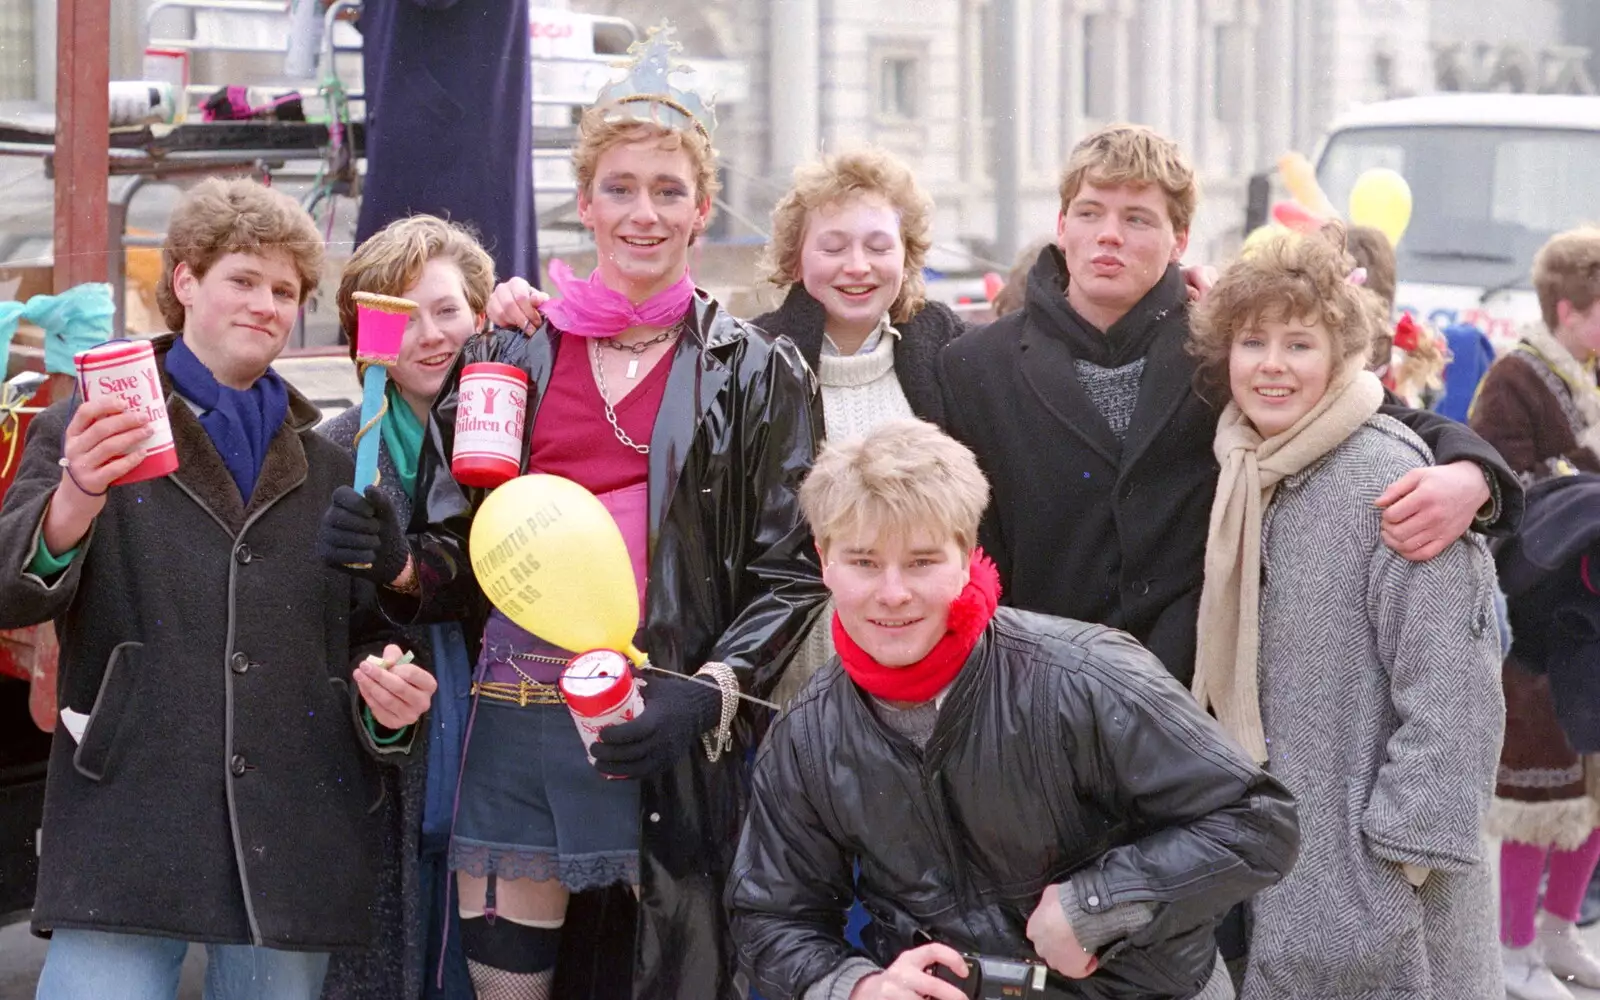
(1293,215)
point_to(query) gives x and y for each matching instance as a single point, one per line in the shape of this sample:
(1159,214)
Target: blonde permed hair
(1568,269)
(597,135)
(903,476)
(218,217)
(1136,155)
(1287,277)
(834,181)
(392,259)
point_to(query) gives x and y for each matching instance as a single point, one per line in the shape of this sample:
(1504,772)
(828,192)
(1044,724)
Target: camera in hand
(992,978)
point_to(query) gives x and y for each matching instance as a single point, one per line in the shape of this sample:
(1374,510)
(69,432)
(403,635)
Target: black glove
(679,711)
(360,530)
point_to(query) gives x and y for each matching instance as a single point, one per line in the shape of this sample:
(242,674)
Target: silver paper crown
(646,93)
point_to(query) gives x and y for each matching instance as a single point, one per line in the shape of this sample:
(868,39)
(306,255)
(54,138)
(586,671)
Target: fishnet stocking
(490,983)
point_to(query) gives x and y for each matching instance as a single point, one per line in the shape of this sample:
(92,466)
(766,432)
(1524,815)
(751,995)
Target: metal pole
(1004,166)
(83,127)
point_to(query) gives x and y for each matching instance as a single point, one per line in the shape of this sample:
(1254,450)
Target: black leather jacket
(733,578)
(1064,752)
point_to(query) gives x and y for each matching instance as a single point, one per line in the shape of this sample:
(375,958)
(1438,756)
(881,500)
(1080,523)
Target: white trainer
(1528,978)
(1565,952)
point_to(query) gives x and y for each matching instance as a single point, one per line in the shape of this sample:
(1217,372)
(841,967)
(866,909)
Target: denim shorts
(532,806)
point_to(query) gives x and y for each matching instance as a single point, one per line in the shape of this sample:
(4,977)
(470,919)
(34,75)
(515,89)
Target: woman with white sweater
(848,241)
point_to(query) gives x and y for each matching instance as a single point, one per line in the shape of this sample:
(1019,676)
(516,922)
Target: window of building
(898,86)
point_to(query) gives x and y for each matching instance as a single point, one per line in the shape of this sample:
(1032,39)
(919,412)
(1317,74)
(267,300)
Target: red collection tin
(600,691)
(127,369)
(491,412)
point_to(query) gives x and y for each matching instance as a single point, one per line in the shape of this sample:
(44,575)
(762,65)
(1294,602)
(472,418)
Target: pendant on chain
(633,368)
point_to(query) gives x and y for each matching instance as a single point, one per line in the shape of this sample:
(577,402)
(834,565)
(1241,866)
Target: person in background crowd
(439,266)
(1082,410)
(1407,356)
(1366,683)
(848,242)
(220,789)
(694,430)
(449,121)
(986,780)
(1539,406)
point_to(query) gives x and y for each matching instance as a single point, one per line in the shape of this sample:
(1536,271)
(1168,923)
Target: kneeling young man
(988,782)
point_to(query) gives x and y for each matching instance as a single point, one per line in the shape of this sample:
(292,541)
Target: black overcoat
(221,791)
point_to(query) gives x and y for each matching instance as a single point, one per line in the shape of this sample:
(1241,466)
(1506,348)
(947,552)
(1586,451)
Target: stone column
(793,84)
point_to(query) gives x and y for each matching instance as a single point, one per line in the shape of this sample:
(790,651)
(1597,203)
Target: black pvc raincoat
(733,579)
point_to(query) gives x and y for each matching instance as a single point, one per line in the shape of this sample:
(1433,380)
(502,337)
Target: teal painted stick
(373,383)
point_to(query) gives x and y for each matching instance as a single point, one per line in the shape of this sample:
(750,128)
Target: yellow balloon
(550,557)
(1381,199)
(1259,237)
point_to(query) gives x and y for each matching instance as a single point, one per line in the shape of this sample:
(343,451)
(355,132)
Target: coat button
(1140,587)
(655,817)
(1093,900)
(242,554)
(237,765)
(239,662)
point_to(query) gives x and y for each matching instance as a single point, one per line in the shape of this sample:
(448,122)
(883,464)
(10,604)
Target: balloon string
(708,682)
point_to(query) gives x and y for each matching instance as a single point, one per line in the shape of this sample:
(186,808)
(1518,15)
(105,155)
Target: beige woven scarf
(1230,603)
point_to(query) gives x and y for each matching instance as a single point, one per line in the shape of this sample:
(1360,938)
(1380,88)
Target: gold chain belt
(521,693)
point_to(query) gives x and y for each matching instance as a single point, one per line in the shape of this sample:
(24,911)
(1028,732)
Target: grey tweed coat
(1380,693)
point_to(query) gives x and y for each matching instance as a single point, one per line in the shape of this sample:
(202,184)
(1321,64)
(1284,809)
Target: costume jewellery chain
(605,394)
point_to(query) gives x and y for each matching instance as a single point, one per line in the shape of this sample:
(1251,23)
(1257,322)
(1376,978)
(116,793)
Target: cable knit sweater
(859,392)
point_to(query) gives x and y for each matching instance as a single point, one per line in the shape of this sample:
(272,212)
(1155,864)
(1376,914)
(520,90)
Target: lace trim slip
(577,872)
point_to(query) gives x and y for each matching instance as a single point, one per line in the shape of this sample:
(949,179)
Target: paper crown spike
(380,327)
(647,94)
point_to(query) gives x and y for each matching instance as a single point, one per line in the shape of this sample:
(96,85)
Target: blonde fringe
(1564,824)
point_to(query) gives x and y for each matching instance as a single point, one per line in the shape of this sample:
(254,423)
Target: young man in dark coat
(209,782)
(449,126)
(986,781)
(1082,410)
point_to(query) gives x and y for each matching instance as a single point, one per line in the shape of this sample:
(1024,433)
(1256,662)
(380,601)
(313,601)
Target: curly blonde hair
(597,135)
(836,180)
(392,259)
(219,217)
(1568,268)
(1288,276)
(1134,154)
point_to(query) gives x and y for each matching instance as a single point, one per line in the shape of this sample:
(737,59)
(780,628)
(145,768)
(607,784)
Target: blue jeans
(81,964)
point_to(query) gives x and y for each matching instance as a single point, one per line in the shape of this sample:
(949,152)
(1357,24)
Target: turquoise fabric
(76,320)
(402,439)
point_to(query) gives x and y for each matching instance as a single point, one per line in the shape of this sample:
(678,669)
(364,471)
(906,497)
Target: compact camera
(991,978)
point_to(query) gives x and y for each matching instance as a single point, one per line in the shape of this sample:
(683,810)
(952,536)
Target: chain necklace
(605,398)
(637,350)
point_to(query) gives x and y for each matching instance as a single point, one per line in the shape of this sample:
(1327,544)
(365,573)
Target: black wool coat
(916,355)
(1084,526)
(222,791)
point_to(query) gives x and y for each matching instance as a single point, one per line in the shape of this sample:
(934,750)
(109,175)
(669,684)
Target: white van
(1492,176)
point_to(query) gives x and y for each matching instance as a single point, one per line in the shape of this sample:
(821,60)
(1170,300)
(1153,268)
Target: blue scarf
(240,422)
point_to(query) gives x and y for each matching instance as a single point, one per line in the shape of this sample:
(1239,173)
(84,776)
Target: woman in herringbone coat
(1538,405)
(1368,684)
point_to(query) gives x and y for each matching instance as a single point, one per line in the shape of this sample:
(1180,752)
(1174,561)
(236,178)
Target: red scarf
(969,616)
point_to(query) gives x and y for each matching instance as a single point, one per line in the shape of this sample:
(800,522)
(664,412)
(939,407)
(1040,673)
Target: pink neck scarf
(590,309)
